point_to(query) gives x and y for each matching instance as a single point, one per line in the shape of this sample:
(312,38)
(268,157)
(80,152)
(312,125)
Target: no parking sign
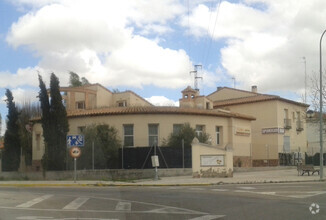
(75,152)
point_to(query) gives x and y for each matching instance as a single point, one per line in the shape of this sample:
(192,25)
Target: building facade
(139,123)
(279,131)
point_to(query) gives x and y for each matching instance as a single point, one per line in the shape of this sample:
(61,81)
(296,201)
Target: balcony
(299,125)
(287,123)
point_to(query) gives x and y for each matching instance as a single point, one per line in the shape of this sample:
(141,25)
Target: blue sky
(150,47)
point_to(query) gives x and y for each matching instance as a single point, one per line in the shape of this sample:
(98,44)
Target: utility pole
(196,77)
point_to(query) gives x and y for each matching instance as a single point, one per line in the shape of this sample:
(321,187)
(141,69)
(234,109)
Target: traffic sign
(75,141)
(75,152)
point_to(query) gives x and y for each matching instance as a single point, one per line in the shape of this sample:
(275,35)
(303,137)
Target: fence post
(183,153)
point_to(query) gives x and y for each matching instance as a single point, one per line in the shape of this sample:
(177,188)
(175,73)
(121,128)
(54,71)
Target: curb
(99,184)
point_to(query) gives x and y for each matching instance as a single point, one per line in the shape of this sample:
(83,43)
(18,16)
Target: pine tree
(11,154)
(74,80)
(59,123)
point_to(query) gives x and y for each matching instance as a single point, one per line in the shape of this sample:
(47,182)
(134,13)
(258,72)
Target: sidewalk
(250,177)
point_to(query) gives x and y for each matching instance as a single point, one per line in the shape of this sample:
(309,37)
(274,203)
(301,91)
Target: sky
(151,47)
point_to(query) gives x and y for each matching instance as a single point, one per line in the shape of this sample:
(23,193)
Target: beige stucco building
(279,131)
(139,123)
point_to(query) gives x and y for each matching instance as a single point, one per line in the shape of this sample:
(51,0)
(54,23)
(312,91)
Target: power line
(211,36)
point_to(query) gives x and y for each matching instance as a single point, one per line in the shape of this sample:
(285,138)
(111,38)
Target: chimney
(254,89)
(218,88)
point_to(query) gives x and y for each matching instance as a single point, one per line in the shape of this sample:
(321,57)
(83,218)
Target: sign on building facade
(272,131)
(212,160)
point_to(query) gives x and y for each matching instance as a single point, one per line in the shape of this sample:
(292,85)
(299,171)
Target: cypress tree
(60,125)
(46,121)
(11,154)
(55,125)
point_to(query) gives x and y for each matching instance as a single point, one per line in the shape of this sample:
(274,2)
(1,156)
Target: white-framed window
(122,103)
(298,116)
(177,128)
(128,135)
(152,134)
(218,131)
(199,130)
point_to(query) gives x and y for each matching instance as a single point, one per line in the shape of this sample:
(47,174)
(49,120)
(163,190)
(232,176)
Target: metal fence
(169,157)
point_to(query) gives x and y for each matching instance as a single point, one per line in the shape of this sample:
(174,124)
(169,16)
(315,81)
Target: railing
(287,123)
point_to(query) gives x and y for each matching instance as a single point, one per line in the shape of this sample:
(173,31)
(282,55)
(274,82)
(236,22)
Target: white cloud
(26,76)
(162,101)
(143,62)
(265,40)
(96,40)
(22,95)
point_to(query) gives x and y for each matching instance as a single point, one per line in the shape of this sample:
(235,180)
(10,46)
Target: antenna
(233,81)
(196,77)
(305,79)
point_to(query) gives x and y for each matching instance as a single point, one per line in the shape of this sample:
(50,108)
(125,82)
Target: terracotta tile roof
(252,99)
(153,110)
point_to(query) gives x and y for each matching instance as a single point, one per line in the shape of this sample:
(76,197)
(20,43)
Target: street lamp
(321,109)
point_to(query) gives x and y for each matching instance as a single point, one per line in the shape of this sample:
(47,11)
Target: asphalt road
(261,201)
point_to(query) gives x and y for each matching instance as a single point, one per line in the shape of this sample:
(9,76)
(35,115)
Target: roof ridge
(240,90)
(137,96)
(154,110)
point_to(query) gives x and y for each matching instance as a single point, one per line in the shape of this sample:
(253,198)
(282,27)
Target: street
(230,201)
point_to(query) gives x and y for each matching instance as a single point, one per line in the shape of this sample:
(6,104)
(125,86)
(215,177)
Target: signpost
(74,142)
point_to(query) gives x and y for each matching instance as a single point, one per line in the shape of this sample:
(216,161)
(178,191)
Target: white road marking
(208,217)
(267,193)
(43,218)
(163,208)
(123,206)
(220,190)
(34,201)
(201,189)
(243,191)
(172,210)
(33,217)
(246,187)
(76,203)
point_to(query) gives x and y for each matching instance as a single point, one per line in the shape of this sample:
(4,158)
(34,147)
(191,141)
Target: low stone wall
(254,169)
(105,175)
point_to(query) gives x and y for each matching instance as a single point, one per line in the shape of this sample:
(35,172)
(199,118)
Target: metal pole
(321,109)
(183,153)
(156,176)
(122,157)
(75,169)
(305,79)
(93,155)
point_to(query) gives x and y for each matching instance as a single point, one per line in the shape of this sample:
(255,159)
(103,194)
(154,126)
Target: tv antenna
(196,77)
(233,78)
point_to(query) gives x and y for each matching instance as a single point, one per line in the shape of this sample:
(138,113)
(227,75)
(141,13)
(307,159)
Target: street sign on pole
(75,141)
(75,152)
